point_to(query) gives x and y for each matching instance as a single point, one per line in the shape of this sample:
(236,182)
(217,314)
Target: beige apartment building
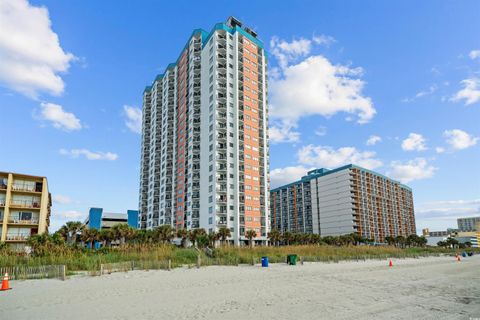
(24,207)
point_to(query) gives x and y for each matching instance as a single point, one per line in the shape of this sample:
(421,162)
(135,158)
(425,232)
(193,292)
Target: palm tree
(194,234)
(357,238)
(412,240)
(315,238)
(90,236)
(400,241)
(122,232)
(164,233)
(212,238)
(182,234)
(390,240)
(106,236)
(250,235)
(451,242)
(63,232)
(274,236)
(422,241)
(73,228)
(223,234)
(287,237)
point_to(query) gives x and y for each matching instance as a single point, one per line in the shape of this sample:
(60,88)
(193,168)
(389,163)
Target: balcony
(16,237)
(23,222)
(27,188)
(25,204)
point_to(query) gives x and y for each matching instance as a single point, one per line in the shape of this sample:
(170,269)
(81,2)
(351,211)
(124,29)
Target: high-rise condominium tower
(342,201)
(204,160)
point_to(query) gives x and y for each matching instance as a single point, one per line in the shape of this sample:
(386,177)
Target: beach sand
(427,288)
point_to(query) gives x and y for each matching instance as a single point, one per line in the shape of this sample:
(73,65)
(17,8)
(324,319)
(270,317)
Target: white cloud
(286,52)
(31,57)
(324,156)
(459,139)
(321,131)
(447,210)
(72,214)
(474,54)
(373,140)
(414,142)
(430,90)
(439,150)
(306,85)
(470,92)
(283,132)
(422,93)
(61,199)
(416,169)
(324,40)
(89,155)
(133,118)
(282,176)
(58,117)
(317,87)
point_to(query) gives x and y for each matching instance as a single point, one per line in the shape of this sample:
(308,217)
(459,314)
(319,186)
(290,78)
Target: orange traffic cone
(390,264)
(5,283)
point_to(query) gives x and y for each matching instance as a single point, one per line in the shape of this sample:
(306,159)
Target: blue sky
(390,85)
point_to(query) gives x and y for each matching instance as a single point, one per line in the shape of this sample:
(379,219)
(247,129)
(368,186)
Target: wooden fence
(107,268)
(34,272)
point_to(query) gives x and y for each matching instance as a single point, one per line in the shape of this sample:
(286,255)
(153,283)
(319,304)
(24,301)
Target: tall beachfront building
(24,208)
(205,158)
(342,201)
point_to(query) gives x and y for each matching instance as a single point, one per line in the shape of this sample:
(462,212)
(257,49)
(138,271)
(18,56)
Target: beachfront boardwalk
(427,288)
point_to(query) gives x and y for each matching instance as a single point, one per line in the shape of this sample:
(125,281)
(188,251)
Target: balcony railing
(25,203)
(25,187)
(18,221)
(16,237)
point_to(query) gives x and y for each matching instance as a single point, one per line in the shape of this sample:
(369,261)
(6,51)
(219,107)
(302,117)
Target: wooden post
(101,269)
(301,260)
(64,272)
(199,262)
(169,264)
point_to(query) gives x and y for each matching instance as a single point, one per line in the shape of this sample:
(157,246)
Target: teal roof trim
(170,66)
(223,26)
(205,36)
(323,172)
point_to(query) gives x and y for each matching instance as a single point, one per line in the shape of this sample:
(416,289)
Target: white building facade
(205,153)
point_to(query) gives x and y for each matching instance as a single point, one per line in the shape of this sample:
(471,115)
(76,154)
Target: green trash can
(292,259)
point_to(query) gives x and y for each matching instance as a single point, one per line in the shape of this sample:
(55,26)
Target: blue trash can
(265,262)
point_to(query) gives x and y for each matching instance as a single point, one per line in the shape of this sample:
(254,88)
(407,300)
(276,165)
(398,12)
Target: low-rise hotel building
(342,201)
(98,219)
(24,207)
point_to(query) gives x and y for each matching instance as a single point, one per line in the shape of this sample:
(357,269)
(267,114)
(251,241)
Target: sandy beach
(427,288)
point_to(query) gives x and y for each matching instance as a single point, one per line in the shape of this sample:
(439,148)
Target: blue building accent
(132,218)
(95,218)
